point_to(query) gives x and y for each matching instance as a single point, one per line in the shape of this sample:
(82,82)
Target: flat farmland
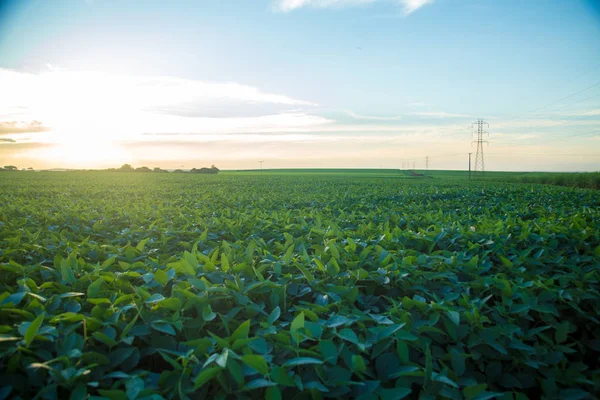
(270,285)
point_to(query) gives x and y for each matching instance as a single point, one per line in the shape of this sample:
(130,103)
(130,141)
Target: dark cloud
(8,127)
(7,140)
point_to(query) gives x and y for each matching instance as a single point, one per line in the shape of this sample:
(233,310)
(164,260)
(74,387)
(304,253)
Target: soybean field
(297,286)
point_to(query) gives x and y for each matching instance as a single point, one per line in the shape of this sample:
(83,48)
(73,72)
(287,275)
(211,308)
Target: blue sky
(300,83)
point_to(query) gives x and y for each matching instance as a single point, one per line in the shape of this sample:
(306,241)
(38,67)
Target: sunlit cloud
(8,127)
(73,119)
(290,5)
(410,6)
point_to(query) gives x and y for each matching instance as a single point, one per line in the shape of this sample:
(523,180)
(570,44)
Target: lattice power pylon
(479,161)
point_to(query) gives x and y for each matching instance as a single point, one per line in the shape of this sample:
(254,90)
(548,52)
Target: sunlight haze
(299,83)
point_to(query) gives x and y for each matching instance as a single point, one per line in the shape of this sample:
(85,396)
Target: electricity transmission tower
(479,162)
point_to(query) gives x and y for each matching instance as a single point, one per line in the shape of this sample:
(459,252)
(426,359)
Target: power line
(523,116)
(567,97)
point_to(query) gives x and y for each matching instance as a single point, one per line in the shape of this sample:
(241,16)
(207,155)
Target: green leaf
(172,303)
(258,383)
(33,328)
(222,358)
(256,362)
(236,371)
(155,298)
(393,394)
(133,387)
(389,331)
(274,316)
(163,327)
(454,317)
(297,324)
(15,298)
(302,361)
(402,351)
(241,332)
(273,393)
(113,394)
(358,363)
(562,332)
(328,350)
(309,277)
(505,261)
(104,338)
(161,277)
(574,394)
(458,361)
(444,379)
(474,390)
(428,365)
(350,336)
(224,262)
(206,375)
(142,244)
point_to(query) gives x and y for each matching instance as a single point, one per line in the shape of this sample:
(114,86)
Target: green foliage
(168,286)
(590,180)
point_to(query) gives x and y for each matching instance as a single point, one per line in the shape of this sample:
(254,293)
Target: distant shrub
(204,170)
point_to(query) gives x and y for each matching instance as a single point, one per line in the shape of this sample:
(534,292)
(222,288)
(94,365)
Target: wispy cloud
(373,118)
(590,113)
(10,127)
(440,114)
(410,6)
(291,5)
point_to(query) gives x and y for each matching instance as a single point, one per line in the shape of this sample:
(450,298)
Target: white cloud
(440,114)
(291,5)
(85,105)
(590,113)
(373,118)
(410,6)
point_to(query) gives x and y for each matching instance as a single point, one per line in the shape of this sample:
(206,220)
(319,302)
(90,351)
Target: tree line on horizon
(144,169)
(9,168)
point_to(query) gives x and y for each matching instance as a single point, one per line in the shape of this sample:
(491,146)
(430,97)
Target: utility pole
(479,162)
(413,165)
(427,163)
(470,166)
(262,161)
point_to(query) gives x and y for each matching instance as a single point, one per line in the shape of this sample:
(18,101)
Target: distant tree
(126,168)
(143,169)
(204,170)
(29,169)
(10,168)
(179,171)
(157,169)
